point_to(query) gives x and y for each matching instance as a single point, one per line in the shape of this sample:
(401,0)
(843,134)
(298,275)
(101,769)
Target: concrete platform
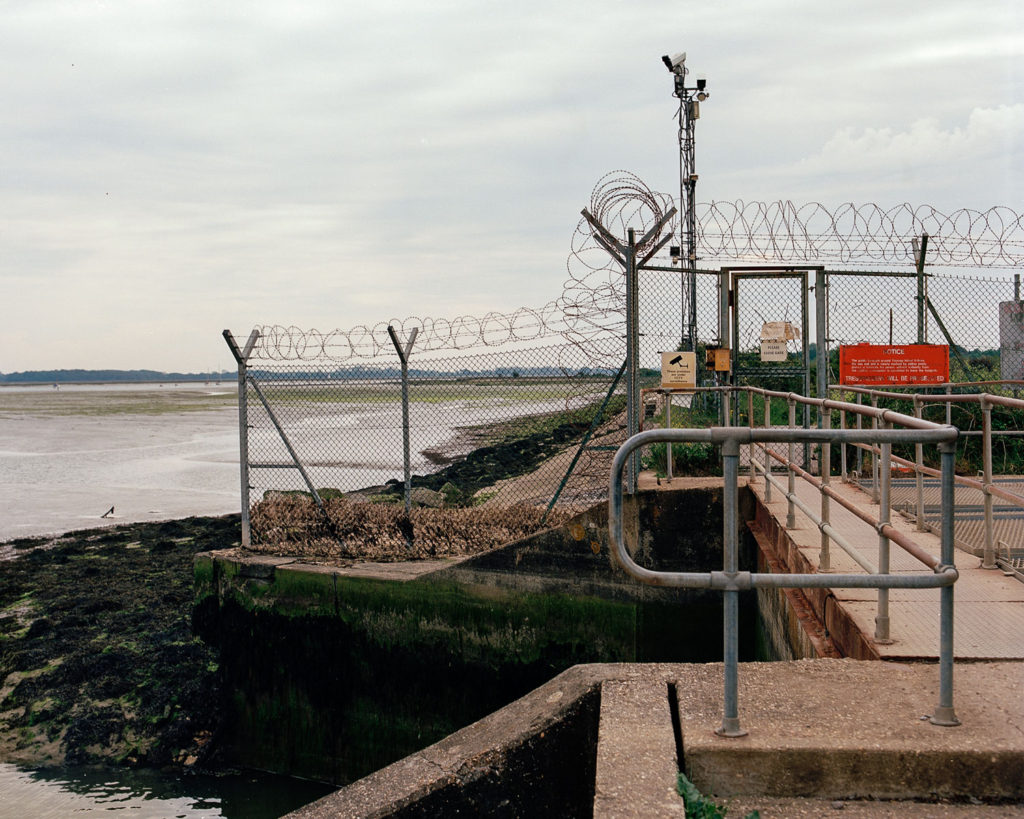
(824,735)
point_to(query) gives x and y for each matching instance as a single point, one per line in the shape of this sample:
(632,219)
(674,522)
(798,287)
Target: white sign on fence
(1011,339)
(773,350)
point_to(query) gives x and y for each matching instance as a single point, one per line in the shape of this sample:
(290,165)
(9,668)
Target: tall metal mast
(689,98)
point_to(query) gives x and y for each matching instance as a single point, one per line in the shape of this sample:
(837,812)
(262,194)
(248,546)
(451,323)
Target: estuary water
(150,452)
(65,792)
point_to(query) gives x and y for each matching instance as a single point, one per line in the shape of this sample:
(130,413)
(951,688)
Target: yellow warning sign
(678,371)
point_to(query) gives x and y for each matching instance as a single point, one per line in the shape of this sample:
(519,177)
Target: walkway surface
(989,604)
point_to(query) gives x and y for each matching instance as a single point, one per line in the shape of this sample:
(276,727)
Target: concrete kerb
(817,728)
(483,750)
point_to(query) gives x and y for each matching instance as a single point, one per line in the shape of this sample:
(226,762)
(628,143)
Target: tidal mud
(98,662)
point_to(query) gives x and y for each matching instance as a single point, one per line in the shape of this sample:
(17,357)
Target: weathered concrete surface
(781,808)
(636,752)
(821,733)
(495,765)
(842,728)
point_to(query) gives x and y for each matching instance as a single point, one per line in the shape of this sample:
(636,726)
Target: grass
(698,806)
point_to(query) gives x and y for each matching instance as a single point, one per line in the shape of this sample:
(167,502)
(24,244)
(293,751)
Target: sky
(172,168)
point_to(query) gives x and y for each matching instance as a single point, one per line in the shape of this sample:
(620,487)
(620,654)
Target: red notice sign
(867,365)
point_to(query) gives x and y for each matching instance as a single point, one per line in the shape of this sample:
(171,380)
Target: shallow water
(158,452)
(74,791)
(61,472)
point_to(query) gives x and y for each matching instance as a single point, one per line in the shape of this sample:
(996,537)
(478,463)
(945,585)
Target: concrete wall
(333,672)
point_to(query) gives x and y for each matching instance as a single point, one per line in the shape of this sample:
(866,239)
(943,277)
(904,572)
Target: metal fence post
(750,423)
(820,332)
(944,713)
(403,355)
(842,449)
(920,250)
(632,354)
(242,359)
(884,518)
(668,444)
(988,560)
(731,597)
(860,449)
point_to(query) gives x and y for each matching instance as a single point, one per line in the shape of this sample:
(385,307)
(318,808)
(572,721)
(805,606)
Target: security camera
(675,63)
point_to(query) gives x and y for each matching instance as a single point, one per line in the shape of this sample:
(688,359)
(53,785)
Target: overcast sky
(170,168)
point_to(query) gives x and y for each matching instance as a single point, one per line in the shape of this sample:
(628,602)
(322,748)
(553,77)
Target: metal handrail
(730,581)
(987,485)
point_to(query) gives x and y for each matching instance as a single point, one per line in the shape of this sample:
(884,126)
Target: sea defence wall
(336,671)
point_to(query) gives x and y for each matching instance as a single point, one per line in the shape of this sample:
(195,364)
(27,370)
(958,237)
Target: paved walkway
(989,604)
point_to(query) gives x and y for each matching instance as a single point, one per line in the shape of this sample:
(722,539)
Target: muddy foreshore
(98,662)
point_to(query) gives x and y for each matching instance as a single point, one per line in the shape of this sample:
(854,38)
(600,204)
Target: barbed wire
(278,343)
(859,234)
(590,313)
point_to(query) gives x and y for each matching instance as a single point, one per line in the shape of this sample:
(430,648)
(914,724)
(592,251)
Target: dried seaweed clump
(291,524)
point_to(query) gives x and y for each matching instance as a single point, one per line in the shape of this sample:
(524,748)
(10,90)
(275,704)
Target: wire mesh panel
(968,310)
(962,312)
(487,431)
(864,308)
(770,308)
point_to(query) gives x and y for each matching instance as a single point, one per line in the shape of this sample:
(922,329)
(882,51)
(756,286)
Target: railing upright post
(668,444)
(884,518)
(918,473)
(842,449)
(874,456)
(944,713)
(750,423)
(767,457)
(731,602)
(791,509)
(988,560)
(824,558)
(860,449)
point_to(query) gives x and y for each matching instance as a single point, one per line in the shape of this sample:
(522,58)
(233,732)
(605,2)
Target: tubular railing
(986,485)
(731,581)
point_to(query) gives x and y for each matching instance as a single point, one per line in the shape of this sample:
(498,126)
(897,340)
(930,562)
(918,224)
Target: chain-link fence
(498,444)
(510,420)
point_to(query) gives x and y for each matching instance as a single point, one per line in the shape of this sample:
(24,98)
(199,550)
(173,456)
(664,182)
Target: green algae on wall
(333,676)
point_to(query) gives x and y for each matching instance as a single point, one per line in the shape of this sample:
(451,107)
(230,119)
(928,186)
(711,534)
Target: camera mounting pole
(690,98)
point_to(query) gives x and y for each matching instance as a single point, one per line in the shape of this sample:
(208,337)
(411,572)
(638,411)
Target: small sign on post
(678,371)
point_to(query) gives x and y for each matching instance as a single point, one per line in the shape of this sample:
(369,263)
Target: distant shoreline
(118,383)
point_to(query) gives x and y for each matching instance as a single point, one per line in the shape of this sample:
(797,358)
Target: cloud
(988,132)
(207,165)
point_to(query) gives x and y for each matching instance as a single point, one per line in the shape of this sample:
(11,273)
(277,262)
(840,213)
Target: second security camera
(674,63)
